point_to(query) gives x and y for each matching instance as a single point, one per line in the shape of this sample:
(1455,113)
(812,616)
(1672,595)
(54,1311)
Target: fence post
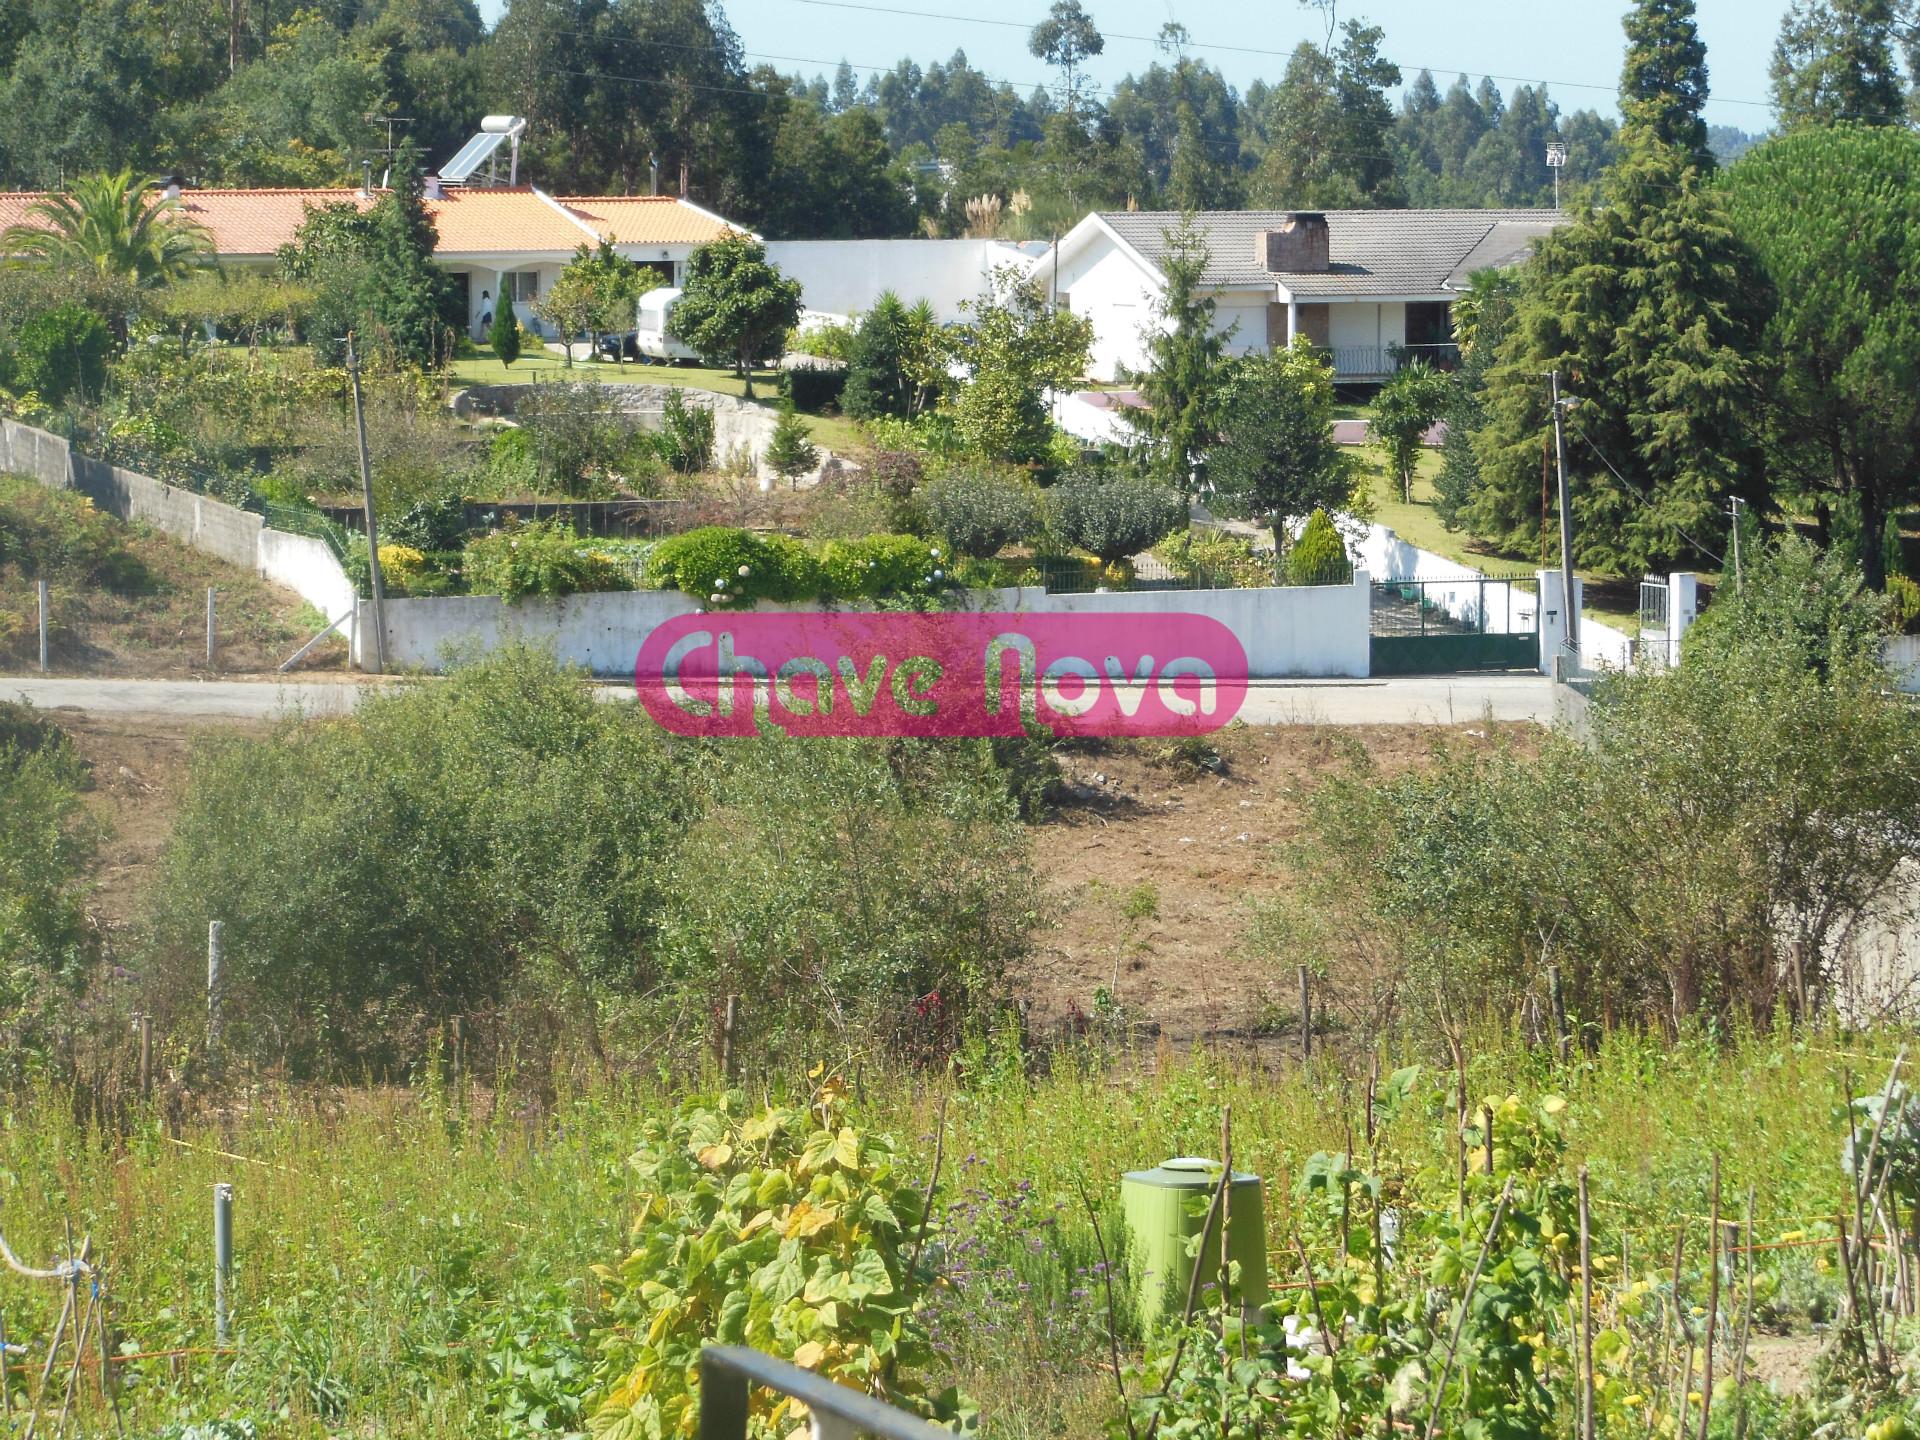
(1306,1016)
(144,1023)
(723,1401)
(222,1260)
(210,593)
(216,950)
(1563,1042)
(726,1037)
(42,590)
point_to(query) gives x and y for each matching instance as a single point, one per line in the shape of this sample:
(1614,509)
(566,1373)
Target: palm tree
(114,226)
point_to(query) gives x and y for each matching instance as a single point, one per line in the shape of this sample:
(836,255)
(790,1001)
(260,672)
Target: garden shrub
(814,388)
(61,353)
(686,434)
(512,468)
(1115,516)
(60,536)
(981,511)
(431,525)
(542,558)
(580,446)
(1217,559)
(878,565)
(784,1229)
(1903,604)
(1319,556)
(725,568)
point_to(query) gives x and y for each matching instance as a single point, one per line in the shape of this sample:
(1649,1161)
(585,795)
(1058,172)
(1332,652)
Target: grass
(129,600)
(836,433)
(414,1262)
(1608,599)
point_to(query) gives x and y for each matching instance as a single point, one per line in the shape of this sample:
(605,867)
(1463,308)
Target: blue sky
(1575,47)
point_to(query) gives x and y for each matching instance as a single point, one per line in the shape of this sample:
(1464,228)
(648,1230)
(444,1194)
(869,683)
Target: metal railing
(1356,362)
(729,1373)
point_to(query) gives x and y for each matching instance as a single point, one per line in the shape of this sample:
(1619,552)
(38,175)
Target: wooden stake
(1713,1299)
(1586,1314)
(1306,1016)
(1466,1302)
(1557,998)
(1746,1324)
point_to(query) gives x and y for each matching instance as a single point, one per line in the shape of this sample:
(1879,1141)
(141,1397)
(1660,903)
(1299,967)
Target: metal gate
(1446,627)
(1655,625)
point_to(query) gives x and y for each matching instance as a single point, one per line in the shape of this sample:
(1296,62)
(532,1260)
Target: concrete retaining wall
(303,565)
(1291,631)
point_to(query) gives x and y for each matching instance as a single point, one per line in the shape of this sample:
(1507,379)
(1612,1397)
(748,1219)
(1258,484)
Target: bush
(502,842)
(881,565)
(1319,556)
(59,536)
(1217,559)
(730,569)
(982,511)
(580,447)
(784,1229)
(1903,604)
(62,353)
(1115,516)
(512,468)
(431,525)
(686,434)
(814,388)
(543,558)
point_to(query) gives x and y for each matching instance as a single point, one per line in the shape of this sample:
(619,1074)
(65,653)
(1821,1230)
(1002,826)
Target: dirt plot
(1154,865)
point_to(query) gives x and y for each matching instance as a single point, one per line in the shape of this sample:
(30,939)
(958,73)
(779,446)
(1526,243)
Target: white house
(506,241)
(842,278)
(1368,285)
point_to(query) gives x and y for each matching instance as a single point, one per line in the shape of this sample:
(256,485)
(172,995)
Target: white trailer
(651,318)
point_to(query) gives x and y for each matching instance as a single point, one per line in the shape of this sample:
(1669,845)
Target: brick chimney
(1298,244)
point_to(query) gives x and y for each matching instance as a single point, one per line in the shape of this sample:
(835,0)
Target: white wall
(1105,285)
(1355,325)
(1293,631)
(845,277)
(1903,658)
(308,568)
(1249,314)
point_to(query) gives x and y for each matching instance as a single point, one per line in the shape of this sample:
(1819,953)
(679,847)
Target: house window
(523,285)
(1429,323)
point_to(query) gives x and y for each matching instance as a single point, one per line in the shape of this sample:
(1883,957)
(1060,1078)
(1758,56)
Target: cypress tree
(1663,84)
(1187,363)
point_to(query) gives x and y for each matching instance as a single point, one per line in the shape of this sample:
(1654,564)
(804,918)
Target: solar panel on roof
(475,153)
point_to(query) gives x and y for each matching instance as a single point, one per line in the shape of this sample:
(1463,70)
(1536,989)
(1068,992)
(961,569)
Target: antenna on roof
(495,130)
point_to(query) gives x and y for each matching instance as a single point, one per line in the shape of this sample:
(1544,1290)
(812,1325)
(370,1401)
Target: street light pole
(373,528)
(1566,514)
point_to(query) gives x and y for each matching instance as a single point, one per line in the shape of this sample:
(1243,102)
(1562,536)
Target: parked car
(620,348)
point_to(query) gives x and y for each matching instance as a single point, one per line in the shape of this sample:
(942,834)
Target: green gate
(1449,627)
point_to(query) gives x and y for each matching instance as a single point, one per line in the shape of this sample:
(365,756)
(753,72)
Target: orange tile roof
(250,223)
(647,219)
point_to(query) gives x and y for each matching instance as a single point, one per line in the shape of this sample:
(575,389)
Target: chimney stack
(173,187)
(366,179)
(1298,245)
(434,189)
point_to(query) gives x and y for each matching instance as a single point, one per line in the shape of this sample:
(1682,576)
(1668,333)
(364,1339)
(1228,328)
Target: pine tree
(1648,310)
(791,452)
(409,298)
(1664,82)
(1187,363)
(1834,61)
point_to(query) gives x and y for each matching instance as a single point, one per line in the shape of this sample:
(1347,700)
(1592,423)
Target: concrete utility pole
(373,528)
(1567,599)
(1734,508)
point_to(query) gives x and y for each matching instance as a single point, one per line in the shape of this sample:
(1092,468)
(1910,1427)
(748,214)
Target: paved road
(1417,700)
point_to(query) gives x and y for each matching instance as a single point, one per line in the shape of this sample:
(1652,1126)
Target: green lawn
(1608,599)
(836,433)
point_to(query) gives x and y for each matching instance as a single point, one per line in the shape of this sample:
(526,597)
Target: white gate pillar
(1683,608)
(1553,616)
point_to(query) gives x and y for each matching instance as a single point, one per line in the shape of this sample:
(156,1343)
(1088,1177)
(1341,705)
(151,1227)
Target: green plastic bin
(1165,1208)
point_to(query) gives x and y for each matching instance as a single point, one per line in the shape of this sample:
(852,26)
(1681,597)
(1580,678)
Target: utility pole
(1734,508)
(1567,599)
(373,529)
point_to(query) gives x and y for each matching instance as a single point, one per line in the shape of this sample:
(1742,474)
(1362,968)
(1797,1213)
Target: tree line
(628,95)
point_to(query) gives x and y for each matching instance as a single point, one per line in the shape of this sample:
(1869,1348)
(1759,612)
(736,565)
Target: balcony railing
(1377,362)
(729,1372)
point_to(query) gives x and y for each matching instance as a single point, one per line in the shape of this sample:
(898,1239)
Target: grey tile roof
(1374,252)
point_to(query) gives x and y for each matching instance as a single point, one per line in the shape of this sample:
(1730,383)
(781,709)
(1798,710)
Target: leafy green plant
(686,434)
(785,1229)
(1115,516)
(1403,412)
(981,510)
(1319,556)
(725,568)
(542,558)
(1216,559)
(62,353)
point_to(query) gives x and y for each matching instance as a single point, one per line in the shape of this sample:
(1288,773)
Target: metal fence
(730,1373)
(1483,606)
(1064,575)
